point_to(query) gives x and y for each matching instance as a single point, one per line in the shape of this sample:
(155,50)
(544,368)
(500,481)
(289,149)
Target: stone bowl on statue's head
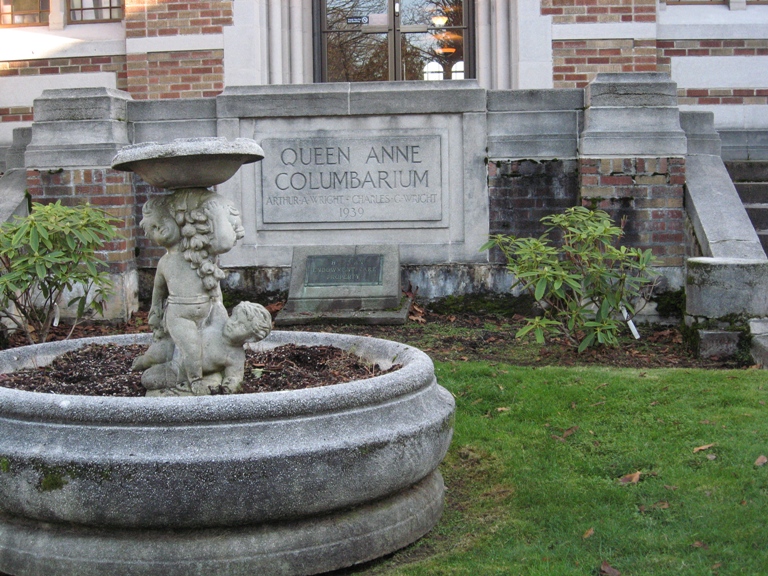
(188,162)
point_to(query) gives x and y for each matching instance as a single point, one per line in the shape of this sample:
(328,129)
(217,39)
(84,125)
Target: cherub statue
(223,356)
(195,226)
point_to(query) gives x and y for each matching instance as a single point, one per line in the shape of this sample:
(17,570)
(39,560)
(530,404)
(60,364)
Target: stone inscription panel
(342,179)
(338,270)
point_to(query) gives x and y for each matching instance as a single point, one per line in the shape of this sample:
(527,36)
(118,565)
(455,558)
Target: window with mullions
(368,40)
(95,10)
(24,12)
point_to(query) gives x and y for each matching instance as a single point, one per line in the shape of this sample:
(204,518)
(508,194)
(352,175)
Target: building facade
(716,52)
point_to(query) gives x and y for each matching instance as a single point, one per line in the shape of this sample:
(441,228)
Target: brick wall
(147,252)
(16,114)
(85,64)
(521,192)
(648,193)
(594,11)
(148,18)
(104,188)
(198,74)
(577,62)
(667,49)
(190,74)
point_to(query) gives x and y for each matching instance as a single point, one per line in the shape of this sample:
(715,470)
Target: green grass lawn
(534,474)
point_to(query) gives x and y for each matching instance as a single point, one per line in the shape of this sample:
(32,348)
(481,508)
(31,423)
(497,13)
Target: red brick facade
(667,49)
(85,64)
(149,18)
(599,11)
(577,62)
(645,192)
(105,188)
(16,114)
(198,74)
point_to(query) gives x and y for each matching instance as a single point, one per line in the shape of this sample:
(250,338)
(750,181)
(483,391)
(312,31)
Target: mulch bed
(104,370)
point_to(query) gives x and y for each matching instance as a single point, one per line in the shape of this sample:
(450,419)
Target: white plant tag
(632,327)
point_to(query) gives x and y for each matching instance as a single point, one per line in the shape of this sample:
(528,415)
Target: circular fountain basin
(295,482)
(188,162)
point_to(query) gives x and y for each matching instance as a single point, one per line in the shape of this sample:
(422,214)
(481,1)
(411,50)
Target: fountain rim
(415,375)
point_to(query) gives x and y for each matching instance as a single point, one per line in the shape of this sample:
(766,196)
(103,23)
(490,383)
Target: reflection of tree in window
(355,56)
(444,44)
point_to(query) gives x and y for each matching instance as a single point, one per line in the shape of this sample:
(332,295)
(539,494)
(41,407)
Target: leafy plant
(587,286)
(48,252)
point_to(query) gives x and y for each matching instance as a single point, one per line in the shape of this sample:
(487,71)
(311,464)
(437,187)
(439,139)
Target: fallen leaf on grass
(700,448)
(633,478)
(419,319)
(588,533)
(761,460)
(608,570)
(502,409)
(654,403)
(566,433)
(711,456)
(716,566)
(661,505)
(700,544)
(668,487)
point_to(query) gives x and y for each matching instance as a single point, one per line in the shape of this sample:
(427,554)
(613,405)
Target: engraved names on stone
(340,179)
(338,270)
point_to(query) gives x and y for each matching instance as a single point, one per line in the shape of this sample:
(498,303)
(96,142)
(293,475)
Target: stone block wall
(646,194)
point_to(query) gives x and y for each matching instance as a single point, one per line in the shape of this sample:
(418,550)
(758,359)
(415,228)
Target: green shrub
(587,285)
(51,250)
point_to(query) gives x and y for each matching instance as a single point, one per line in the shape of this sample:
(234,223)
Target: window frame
(42,20)
(81,10)
(320,33)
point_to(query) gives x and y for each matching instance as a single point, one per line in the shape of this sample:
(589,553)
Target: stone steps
(751,181)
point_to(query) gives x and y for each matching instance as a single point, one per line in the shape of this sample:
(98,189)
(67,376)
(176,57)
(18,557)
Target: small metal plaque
(341,270)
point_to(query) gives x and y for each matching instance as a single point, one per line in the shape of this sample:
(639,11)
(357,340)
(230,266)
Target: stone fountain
(189,483)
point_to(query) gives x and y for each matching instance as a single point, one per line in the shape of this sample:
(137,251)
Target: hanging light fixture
(439,21)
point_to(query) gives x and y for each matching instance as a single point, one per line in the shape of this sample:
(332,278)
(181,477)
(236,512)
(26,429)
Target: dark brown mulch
(104,370)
